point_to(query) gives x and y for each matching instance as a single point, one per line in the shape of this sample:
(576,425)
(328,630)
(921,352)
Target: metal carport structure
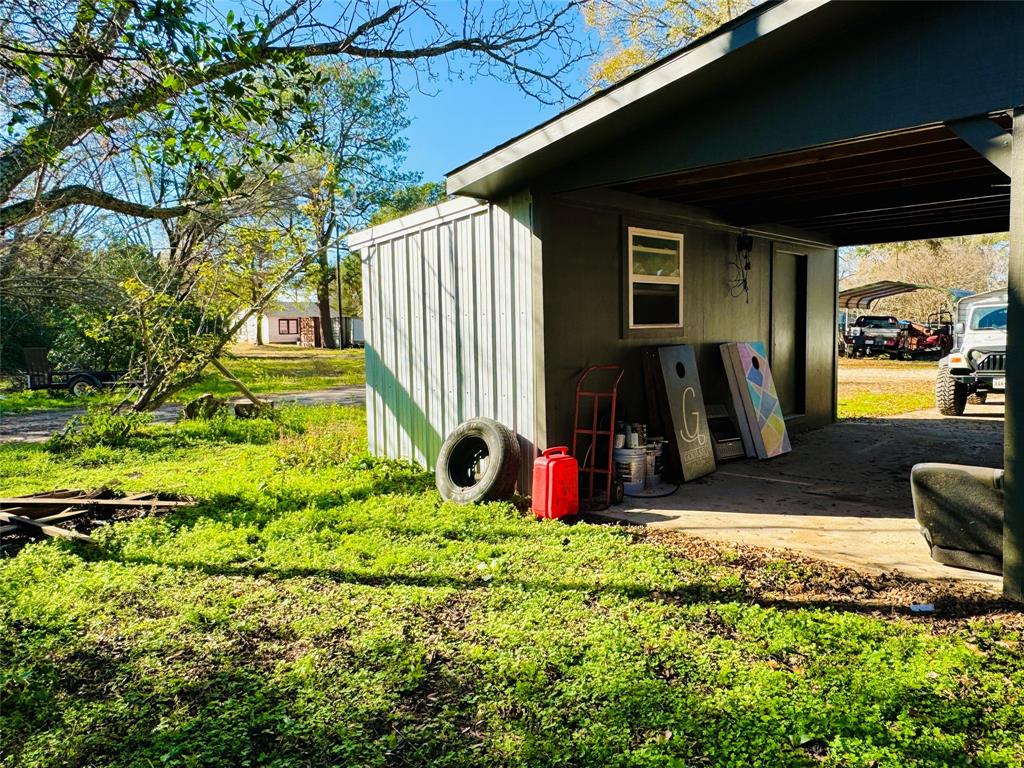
(863,296)
(861,122)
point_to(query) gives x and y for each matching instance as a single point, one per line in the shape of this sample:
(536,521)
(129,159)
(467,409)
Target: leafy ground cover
(273,368)
(321,607)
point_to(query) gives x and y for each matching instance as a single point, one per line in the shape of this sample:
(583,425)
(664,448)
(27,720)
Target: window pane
(655,256)
(655,304)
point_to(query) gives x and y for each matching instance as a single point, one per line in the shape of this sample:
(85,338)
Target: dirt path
(37,426)
(883,371)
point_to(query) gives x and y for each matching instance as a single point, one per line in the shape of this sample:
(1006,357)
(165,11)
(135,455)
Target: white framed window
(655,278)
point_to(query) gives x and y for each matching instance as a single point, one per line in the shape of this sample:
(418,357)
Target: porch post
(1013,440)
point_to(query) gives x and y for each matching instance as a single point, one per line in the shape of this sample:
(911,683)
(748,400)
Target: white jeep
(977,364)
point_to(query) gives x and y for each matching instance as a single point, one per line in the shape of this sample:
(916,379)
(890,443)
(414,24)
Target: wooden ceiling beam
(896,193)
(968,163)
(994,205)
(937,152)
(809,157)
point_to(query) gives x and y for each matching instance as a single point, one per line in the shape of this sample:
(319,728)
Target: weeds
(324,607)
(97,428)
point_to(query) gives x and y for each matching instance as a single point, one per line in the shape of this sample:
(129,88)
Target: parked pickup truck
(977,364)
(873,335)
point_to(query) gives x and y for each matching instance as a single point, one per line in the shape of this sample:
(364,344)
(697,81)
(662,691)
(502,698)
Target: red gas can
(556,484)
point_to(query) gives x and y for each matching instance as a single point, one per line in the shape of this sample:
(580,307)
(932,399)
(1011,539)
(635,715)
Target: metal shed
(806,124)
(449,323)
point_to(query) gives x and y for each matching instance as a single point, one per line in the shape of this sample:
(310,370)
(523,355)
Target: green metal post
(1013,447)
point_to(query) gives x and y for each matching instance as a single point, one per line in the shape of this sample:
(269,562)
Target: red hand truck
(596,442)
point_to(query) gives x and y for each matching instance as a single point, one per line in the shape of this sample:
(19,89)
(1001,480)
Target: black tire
(478,462)
(977,398)
(80,386)
(950,394)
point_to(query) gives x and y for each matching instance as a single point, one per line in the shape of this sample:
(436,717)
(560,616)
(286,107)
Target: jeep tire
(950,394)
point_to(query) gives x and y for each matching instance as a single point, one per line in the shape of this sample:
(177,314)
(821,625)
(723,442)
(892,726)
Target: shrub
(223,427)
(97,428)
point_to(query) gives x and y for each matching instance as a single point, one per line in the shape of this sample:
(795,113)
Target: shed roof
(480,176)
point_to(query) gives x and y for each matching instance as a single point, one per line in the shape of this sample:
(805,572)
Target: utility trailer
(42,375)
(935,337)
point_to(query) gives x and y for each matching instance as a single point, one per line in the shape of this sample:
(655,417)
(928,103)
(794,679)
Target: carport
(864,123)
(807,124)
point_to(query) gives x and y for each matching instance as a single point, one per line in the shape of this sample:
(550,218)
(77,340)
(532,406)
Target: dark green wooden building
(805,124)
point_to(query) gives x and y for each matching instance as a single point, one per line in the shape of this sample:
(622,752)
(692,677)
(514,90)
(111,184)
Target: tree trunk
(259,330)
(323,298)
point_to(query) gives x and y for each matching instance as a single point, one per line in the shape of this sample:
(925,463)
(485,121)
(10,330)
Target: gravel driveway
(36,426)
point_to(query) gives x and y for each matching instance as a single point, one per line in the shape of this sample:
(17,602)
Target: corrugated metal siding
(448,308)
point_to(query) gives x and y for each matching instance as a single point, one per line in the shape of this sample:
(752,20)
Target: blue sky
(465,119)
(455,120)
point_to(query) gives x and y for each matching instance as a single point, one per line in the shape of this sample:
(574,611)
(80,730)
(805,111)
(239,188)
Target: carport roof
(856,122)
(863,296)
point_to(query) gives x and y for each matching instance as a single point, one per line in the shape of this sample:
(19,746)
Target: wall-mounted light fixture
(739,266)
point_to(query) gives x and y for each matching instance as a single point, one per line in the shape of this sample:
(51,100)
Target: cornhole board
(758,397)
(690,435)
(736,409)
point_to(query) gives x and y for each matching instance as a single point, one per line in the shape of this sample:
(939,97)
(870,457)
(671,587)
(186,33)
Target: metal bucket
(655,464)
(631,467)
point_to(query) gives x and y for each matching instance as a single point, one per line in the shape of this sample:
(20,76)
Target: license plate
(869,341)
(999,383)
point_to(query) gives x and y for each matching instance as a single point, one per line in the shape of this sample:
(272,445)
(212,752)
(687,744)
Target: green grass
(280,368)
(876,387)
(320,607)
(860,403)
(268,370)
(24,401)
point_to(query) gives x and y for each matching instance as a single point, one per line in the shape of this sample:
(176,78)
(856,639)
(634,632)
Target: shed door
(789,329)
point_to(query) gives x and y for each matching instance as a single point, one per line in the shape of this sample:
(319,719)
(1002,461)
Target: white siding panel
(388,349)
(373,301)
(431,352)
(466,300)
(484,290)
(449,332)
(403,328)
(449,309)
(503,318)
(523,337)
(417,343)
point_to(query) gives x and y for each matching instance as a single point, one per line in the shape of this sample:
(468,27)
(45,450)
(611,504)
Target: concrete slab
(842,495)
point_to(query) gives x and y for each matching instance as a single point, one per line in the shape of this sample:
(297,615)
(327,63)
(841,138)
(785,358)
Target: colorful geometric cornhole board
(759,401)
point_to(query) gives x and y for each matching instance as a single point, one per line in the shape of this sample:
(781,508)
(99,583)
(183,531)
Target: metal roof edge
(672,68)
(442,211)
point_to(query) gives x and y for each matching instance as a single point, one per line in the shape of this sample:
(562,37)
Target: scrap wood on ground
(70,514)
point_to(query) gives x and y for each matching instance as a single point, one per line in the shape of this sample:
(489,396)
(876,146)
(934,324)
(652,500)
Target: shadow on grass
(248,699)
